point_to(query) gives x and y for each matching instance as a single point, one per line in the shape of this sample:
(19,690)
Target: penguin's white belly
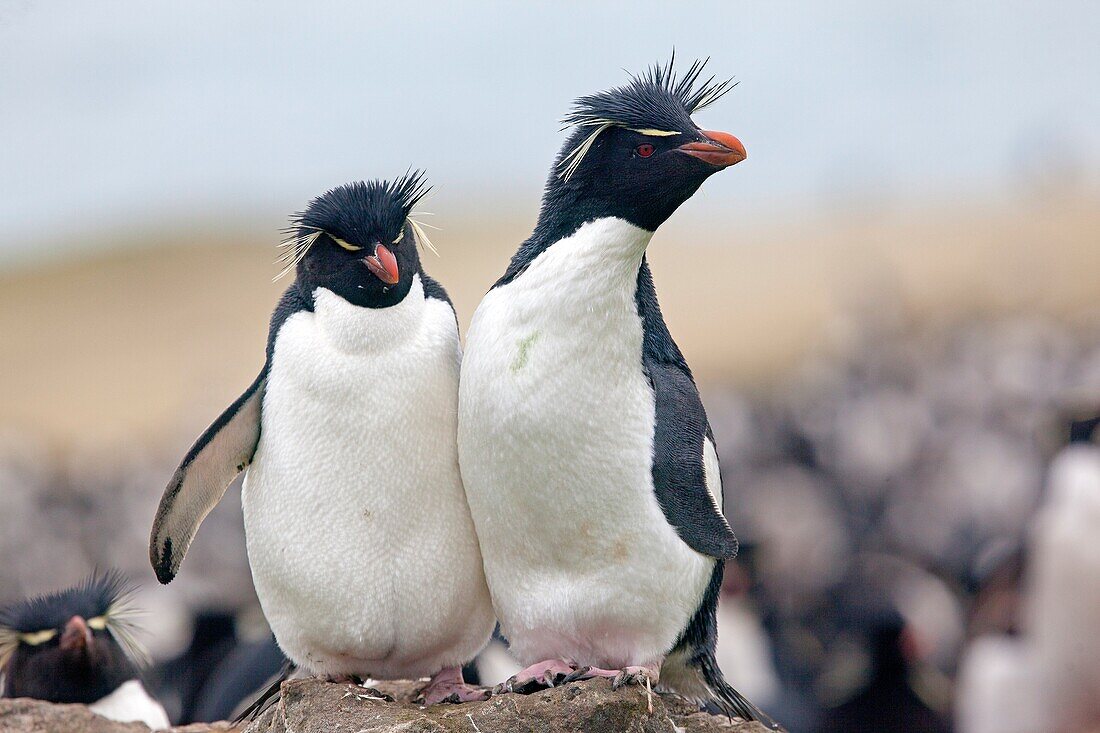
(556,443)
(359,536)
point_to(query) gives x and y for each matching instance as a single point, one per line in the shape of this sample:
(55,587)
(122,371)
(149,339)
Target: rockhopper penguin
(359,536)
(78,646)
(587,457)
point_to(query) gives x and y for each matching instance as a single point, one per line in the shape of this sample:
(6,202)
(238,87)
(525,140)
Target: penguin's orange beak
(383,265)
(76,635)
(721,149)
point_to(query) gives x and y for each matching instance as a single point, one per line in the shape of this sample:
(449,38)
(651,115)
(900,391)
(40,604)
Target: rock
(312,706)
(22,715)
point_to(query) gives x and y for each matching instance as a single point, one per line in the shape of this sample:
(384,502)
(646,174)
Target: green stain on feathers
(523,351)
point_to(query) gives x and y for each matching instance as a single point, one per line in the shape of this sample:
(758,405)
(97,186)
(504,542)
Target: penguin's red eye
(644,150)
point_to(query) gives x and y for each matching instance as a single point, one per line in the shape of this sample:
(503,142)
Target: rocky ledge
(312,706)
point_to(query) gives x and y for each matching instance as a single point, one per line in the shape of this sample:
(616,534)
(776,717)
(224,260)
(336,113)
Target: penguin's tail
(268,696)
(691,670)
(694,673)
(730,701)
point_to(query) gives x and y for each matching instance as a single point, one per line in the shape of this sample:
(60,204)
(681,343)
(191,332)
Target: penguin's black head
(635,152)
(73,646)
(359,242)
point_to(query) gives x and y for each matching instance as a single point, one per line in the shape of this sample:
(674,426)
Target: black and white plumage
(78,646)
(587,456)
(360,541)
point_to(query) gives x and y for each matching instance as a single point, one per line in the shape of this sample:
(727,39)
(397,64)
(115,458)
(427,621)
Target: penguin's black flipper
(220,453)
(688,492)
(688,485)
(680,478)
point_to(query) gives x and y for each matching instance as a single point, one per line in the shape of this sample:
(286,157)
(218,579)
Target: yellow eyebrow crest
(99,623)
(34,638)
(346,245)
(655,133)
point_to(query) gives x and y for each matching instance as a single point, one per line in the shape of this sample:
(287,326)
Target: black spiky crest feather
(657,99)
(108,594)
(353,208)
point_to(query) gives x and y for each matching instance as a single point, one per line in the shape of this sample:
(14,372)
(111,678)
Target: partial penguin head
(635,152)
(74,646)
(359,242)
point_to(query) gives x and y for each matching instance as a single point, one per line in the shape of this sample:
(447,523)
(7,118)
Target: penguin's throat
(354,329)
(599,256)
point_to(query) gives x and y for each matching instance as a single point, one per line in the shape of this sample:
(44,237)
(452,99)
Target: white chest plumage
(129,703)
(359,536)
(556,440)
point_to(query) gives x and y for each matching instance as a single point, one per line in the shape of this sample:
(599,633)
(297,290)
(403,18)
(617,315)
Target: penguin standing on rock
(78,646)
(359,536)
(587,457)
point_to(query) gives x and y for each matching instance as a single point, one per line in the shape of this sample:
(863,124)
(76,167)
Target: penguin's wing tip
(160,557)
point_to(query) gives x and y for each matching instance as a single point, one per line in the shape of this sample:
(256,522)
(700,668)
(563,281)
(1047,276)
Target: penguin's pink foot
(632,675)
(546,673)
(646,675)
(448,686)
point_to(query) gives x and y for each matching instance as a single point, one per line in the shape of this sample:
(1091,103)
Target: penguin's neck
(567,208)
(354,329)
(599,267)
(599,260)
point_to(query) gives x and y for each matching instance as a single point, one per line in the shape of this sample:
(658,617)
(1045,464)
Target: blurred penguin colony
(917,514)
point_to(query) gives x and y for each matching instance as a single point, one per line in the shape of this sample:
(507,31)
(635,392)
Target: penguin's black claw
(635,675)
(529,685)
(540,676)
(577,674)
(467,693)
(447,686)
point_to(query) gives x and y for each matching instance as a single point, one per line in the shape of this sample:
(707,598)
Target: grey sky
(117,113)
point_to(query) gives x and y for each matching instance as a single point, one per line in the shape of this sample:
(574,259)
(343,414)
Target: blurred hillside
(154,335)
